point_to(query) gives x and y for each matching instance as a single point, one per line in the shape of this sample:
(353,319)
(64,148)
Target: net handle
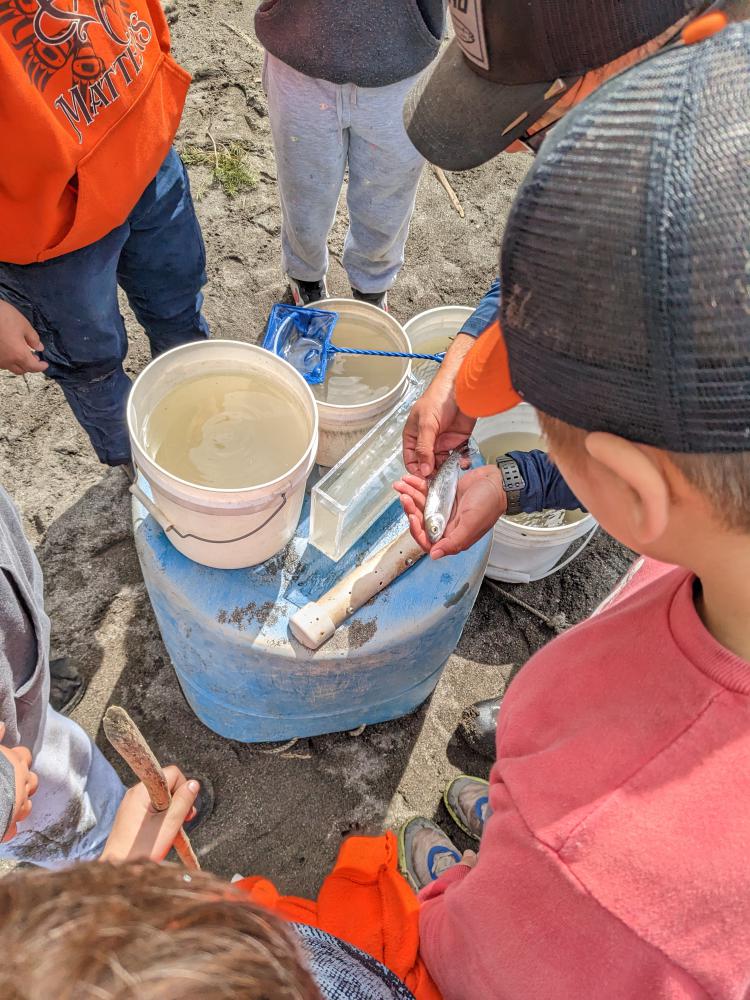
(333,349)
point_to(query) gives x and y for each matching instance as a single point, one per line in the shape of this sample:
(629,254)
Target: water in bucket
(351,379)
(424,370)
(227,430)
(501,444)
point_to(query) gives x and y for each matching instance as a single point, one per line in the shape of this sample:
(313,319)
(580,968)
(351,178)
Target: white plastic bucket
(433,331)
(223,528)
(521,554)
(342,426)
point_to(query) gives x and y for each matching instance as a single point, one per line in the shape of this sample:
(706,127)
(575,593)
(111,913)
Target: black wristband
(513,482)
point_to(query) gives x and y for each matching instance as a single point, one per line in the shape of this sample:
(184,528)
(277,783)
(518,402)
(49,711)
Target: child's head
(652,499)
(626,300)
(142,931)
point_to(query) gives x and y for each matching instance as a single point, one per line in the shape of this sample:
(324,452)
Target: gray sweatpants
(319,129)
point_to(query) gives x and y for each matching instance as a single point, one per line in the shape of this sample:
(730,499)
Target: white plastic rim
(199,358)
(342,425)
(442,321)
(522,553)
(224,528)
(351,309)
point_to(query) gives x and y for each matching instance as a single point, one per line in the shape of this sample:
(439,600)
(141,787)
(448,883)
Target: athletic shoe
(379,299)
(305,292)
(204,803)
(467,802)
(424,852)
(67,686)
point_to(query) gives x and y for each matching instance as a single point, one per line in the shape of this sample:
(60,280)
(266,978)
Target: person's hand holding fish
(435,423)
(449,512)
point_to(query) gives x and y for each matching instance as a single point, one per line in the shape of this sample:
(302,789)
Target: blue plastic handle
(333,349)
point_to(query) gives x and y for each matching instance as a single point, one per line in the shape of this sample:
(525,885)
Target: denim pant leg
(384,173)
(71,301)
(162,266)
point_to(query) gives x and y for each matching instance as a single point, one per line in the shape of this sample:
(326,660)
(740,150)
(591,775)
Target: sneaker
(67,686)
(379,299)
(424,852)
(204,803)
(467,802)
(305,292)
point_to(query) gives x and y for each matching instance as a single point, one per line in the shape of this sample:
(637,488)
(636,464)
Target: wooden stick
(440,174)
(129,742)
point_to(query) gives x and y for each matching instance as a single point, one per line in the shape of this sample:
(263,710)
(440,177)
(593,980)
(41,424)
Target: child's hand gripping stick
(317,621)
(129,742)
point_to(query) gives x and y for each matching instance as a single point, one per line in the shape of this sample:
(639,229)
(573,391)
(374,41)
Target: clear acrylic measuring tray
(356,491)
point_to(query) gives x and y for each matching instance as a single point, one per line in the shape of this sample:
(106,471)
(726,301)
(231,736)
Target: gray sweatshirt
(24,645)
(371,43)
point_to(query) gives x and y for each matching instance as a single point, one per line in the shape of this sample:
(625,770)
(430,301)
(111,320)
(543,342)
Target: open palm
(480,501)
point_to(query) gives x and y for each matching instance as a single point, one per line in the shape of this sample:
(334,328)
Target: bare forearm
(454,356)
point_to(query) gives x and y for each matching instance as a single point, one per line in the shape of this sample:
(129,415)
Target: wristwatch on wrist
(513,482)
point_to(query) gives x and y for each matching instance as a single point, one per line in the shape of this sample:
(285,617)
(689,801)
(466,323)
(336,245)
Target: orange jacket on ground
(89,104)
(366,902)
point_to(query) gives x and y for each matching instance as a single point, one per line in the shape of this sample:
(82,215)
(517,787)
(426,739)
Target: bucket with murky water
(225,435)
(431,332)
(520,552)
(357,390)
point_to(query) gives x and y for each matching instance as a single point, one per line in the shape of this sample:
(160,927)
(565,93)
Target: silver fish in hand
(441,495)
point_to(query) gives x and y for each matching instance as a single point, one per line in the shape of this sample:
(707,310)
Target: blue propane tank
(247,678)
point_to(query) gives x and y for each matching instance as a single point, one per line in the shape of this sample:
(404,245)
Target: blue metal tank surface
(244,675)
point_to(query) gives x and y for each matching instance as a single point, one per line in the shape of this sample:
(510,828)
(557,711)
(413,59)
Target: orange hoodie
(90,100)
(364,901)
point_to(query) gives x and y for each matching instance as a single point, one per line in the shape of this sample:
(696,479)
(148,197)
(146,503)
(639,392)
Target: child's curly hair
(142,931)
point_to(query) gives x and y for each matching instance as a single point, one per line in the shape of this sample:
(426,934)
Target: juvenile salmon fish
(441,495)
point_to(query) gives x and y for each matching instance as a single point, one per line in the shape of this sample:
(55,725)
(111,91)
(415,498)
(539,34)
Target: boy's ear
(648,512)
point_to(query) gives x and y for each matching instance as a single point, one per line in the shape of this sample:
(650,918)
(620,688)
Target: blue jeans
(158,258)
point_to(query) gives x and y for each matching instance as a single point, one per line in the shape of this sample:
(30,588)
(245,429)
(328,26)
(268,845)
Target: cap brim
(458,119)
(483,385)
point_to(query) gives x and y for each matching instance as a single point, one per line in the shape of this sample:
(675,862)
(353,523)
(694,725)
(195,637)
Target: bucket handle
(166,525)
(513,576)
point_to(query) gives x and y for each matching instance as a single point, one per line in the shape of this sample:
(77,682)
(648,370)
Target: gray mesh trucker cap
(513,59)
(625,264)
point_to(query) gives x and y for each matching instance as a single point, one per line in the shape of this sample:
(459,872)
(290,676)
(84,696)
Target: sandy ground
(279,815)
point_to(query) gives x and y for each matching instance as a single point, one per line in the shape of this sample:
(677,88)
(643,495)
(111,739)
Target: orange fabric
(90,104)
(704,27)
(365,901)
(484,385)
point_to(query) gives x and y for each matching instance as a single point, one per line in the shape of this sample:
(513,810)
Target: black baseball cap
(625,266)
(511,60)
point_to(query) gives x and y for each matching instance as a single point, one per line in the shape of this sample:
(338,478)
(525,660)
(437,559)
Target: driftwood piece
(130,743)
(440,174)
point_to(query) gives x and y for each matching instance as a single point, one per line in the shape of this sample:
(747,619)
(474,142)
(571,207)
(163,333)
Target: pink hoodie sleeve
(519,924)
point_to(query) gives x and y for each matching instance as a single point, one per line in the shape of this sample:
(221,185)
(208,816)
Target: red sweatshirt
(616,864)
